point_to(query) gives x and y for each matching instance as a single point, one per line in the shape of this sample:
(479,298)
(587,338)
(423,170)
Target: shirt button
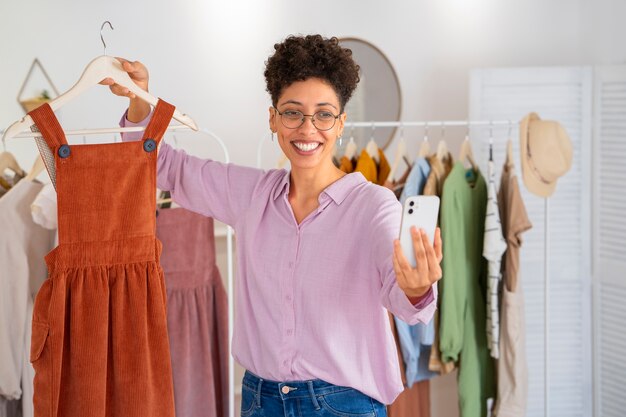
(289,332)
(290,265)
(285,389)
(149,145)
(64,151)
(288,298)
(285,362)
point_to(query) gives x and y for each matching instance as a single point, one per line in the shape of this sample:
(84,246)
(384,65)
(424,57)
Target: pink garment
(311,297)
(197,313)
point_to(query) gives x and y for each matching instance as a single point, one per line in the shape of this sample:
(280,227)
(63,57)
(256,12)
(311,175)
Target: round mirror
(377,96)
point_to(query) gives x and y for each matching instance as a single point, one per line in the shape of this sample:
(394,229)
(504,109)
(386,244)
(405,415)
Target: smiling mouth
(306,146)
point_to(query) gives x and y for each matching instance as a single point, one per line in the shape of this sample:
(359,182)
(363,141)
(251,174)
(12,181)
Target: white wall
(208,57)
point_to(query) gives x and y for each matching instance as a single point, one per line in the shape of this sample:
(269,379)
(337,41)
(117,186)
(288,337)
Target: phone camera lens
(411,203)
(410,211)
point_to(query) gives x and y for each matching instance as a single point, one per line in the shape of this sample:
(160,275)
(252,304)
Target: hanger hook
(491,132)
(352,132)
(443,130)
(467,133)
(373,130)
(101,37)
(426,132)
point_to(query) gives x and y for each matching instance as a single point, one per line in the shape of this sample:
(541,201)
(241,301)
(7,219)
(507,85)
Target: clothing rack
(229,247)
(481,124)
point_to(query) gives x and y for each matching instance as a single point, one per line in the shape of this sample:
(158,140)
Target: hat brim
(532,182)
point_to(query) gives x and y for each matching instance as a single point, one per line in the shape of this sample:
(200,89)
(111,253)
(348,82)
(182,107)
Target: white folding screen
(563,94)
(609,249)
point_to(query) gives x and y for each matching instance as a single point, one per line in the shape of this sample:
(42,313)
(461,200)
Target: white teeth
(306,147)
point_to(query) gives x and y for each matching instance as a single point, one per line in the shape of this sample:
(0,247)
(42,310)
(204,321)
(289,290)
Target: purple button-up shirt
(311,297)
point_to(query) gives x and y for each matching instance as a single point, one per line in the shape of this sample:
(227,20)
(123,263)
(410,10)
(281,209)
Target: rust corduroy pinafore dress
(99,342)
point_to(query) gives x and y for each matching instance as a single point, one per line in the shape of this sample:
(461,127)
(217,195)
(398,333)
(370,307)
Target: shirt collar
(337,191)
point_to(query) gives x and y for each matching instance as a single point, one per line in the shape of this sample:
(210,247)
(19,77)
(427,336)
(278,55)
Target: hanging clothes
(99,344)
(346,165)
(416,340)
(397,186)
(23,244)
(463,286)
(373,171)
(439,170)
(415,181)
(512,367)
(383,168)
(7,182)
(367,166)
(10,408)
(197,313)
(414,401)
(494,246)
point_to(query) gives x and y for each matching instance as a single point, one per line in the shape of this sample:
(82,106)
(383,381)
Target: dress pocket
(38,340)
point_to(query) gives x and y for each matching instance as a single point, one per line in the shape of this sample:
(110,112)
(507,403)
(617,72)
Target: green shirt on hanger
(462,289)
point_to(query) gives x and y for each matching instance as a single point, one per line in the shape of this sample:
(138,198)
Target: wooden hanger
(401,155)
(509,153)
(38,166)
(372,148)
(100,68)
(442,150)
(97,70)
(8,161)
(425,146)
(466,153)
(351,147)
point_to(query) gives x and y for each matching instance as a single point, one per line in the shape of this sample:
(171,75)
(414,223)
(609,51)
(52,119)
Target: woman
(318,258)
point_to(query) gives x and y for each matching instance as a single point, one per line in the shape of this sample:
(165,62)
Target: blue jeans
(315,398)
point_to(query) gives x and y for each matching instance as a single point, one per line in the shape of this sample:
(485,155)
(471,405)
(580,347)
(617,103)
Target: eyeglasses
(293,119)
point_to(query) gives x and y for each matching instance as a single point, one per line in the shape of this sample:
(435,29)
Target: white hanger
(401,155)
(372,148)
(100,68)
(351,147)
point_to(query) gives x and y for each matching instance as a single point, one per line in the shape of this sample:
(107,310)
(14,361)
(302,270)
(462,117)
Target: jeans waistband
(290,389)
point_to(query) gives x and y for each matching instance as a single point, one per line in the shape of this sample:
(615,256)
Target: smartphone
(420,211)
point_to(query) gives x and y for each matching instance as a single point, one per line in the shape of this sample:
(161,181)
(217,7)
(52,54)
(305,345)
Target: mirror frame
(394,75)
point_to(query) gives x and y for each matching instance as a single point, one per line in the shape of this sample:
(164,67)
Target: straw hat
(546,152)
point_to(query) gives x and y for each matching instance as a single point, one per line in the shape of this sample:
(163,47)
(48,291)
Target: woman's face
(306,146)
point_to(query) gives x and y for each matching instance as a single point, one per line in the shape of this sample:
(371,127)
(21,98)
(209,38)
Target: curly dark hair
(299,58)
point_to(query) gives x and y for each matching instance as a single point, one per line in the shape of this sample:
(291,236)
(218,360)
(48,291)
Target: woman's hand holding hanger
(137,109)
(415,282)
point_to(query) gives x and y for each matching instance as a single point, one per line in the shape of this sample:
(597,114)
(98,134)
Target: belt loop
(258,393)
(315,403)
